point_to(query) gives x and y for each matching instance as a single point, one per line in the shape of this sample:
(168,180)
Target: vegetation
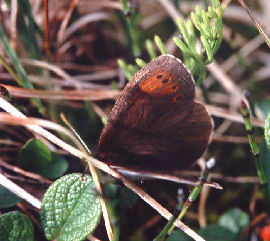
(62,66)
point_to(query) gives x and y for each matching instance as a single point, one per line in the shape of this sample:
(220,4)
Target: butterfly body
(155,123)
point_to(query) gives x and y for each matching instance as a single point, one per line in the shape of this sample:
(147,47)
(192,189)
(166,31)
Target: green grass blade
(19,69)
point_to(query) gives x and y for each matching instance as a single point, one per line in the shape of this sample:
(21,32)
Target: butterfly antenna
(95,179)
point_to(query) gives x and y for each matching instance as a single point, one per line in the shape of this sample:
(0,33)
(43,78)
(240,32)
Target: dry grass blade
(64,23)
(246,50)
(13,21)
(92,95)
(224,178)
(171,9)
(25,173)
(91,17)
(96,180)
(11,186)
(46,28)
(7,119)
(54,68)
(225,81)
(255,21)
(230,139)
(230,115)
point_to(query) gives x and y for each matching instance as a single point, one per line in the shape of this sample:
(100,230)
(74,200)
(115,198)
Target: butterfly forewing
(155,124)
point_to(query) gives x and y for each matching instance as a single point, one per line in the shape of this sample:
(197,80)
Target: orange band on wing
(160,84)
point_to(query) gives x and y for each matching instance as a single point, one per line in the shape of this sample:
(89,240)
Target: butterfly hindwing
(155,122)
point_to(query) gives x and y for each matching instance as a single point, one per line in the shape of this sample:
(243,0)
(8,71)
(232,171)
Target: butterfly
(156,125)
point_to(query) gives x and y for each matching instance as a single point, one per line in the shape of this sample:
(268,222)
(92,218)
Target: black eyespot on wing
(178,97)
(192,121)
(174,87)
(159,76)
(165,81)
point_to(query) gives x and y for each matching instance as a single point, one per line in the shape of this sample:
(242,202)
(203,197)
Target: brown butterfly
(155,124)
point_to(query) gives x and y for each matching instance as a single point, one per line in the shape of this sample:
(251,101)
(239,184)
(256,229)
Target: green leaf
(234,220)
(23,81)
(56,168)
(16,226)
(132,68)
(179,235)
(264,106)
(207,48)
(216,232)
(180,44)
(267,130)
(211,232)
(34,156)
(127,198)
(265,160)
(150,49)
(215,3)
(160,44)
(7,198)
(110,190)
(14,58)
(124,68)
(191,33)
(140,62)
(70,208)
(184,32)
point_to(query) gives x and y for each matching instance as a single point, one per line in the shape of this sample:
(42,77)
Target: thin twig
(46,29)
(55,69)
(221,177)
(25,173)
(12,120)
(93,95)
(13,22)
(95,179)
(11,186)
(225,81)
(202,204)
(230,139)
(253,199)
(234,116)
(172,11)
(246,50)
(29,214)
(91,17)
(64,23)
(255,21)
(10,142)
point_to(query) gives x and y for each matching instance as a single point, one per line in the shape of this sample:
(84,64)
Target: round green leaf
(179,235)
(265,159)
(56,168)
(16,226)
(211,232)
(267,130)
(7,198)
(234,220)
(127,198)
(34,156)
(70,208)
(264,106)
(216,232)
